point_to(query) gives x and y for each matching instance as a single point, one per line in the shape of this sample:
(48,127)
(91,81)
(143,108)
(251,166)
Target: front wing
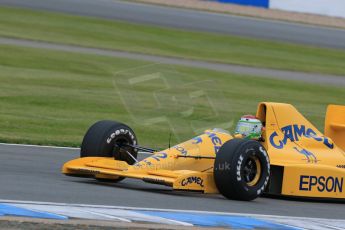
(109,168)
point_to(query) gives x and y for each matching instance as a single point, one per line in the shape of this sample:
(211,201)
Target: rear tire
(241,169)
(100,141)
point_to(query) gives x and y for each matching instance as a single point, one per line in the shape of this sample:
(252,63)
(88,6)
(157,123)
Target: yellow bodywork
(304,162)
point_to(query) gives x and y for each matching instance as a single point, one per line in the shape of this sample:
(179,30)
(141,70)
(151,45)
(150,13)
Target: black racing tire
(241,169)
(100,141)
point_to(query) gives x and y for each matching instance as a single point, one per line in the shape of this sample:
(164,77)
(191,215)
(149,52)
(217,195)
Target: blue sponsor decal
(321,183)
(157,157)
(258,3)
(160,155)
(216,141)
(197,140)
(309,155)
(294,133)
(146,162)
(181,150)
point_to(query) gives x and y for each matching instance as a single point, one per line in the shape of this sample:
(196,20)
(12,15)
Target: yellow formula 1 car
(291,157)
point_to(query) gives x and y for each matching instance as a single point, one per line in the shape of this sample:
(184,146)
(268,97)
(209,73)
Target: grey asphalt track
(33,174)
(191,20)
(251,71)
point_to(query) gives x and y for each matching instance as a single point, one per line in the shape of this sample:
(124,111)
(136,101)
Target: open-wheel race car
(278,152)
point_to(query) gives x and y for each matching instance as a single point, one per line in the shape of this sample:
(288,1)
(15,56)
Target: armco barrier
(334,8)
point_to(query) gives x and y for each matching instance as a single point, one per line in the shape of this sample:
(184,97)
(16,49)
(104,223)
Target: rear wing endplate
(335,124)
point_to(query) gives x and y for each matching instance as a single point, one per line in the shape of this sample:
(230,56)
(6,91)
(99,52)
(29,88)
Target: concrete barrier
(334,8)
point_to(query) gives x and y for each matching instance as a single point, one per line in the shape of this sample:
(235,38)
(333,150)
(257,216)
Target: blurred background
(163,70)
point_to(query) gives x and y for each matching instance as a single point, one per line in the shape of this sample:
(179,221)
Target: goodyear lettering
(262,189)
(294,133)
(121,132)
(193,180)
(216,141)
(321,184)
(238,168)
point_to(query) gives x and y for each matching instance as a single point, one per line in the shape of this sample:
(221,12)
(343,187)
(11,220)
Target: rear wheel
(241,169)
(103,140)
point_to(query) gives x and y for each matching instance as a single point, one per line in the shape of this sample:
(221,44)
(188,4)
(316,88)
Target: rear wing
(335,124)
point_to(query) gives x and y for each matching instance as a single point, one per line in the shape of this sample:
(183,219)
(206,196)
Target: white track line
(108,216)
(51,147)
(40,146)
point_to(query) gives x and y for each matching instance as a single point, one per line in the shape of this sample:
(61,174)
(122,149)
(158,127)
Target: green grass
(93,32)
(51,97)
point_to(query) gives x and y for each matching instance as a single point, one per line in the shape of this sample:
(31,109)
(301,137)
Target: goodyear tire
(101,139)
(241,169)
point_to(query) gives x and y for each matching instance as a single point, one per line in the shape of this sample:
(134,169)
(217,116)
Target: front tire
(241,169)
(102,138)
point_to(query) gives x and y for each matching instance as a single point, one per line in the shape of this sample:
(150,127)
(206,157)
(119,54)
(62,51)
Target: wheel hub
(252,171)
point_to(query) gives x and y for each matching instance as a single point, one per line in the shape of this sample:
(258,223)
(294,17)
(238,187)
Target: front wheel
(102,139)
(241,169)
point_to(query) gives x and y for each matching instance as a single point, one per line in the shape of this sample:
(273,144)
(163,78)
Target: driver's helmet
(249,126)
